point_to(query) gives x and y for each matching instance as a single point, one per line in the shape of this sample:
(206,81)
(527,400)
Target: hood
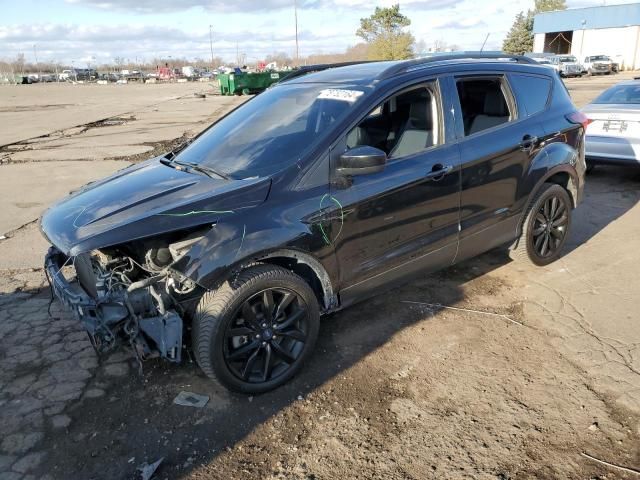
(147,199)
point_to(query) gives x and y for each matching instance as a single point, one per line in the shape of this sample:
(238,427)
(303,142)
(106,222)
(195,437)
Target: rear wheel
(254,333)
(546,226)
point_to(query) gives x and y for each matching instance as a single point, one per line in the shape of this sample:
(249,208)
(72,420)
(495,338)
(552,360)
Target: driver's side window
(404,124)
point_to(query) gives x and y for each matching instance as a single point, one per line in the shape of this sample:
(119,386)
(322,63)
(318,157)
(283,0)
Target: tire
(538,226)
(590,167)
(238,343)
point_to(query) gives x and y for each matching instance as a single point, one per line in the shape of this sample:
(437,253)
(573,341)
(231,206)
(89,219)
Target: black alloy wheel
(255,331)
(550,226)
(546,226)
(266,336)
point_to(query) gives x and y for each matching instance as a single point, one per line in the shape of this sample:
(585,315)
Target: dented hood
(143,200)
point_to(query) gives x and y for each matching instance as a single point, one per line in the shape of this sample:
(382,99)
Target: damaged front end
(126,295)
(115,243)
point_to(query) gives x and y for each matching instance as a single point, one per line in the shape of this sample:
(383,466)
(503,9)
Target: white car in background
(597,64)
(566,65)
(613,134)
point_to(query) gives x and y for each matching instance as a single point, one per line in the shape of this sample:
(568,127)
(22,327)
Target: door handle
(438,172)
(528,143)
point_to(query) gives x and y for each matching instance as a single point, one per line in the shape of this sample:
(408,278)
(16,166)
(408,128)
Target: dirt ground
(488,370)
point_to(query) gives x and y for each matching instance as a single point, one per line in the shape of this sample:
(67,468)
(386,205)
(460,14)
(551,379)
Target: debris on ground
(190,399)
(147,470)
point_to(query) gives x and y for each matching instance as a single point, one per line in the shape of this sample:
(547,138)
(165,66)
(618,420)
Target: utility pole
(211,46)
(35,54)
(295,13)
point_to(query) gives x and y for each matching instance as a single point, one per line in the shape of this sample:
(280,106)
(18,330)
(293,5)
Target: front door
(403,220)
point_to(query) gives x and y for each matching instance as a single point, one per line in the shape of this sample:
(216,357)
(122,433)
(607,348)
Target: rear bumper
(615,150)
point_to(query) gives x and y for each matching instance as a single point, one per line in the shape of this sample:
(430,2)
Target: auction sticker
(340,94)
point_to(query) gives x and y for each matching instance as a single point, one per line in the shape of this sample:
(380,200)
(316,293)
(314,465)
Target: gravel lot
(519,373)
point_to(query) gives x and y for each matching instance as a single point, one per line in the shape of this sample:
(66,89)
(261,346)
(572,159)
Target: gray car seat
(417,133)
(495,112)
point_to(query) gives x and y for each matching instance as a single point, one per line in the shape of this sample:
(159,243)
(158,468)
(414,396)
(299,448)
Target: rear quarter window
(531,91)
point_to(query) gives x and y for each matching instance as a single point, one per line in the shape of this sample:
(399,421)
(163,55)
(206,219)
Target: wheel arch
(307,267)
(563,175)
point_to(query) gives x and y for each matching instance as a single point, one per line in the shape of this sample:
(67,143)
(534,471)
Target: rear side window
(532,92)
(483,104)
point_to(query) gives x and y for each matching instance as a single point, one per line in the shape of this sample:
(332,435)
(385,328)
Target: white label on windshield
(340,94)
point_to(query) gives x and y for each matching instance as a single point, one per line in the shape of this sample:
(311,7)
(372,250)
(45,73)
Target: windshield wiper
(209,172)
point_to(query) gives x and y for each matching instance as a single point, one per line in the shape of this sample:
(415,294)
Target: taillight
(579,118)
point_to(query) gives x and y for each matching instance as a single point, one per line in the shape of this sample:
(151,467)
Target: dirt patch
(393,390)
(158,148)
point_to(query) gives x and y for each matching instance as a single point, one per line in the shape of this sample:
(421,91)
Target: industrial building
(612,30)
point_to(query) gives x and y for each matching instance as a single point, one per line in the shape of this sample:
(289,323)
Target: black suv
(317,193)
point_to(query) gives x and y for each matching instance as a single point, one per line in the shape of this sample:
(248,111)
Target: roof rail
(410,65)
(305,70)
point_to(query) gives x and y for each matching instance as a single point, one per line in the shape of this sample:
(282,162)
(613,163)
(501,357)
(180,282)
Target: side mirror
(362,160)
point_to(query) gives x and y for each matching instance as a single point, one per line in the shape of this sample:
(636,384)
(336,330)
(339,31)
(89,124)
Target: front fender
(250,237)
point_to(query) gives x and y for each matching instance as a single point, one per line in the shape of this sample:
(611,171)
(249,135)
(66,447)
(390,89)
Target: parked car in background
(566,65)
(320,192)
(613,136)
(597,64)
(110,76)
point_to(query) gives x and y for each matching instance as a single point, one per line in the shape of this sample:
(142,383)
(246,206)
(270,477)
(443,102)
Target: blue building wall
(610,16)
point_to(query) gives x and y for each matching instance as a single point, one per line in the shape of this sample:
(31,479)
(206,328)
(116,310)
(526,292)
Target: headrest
(420,114)
(494,104)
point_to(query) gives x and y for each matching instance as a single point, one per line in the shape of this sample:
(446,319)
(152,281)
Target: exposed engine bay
(128,294)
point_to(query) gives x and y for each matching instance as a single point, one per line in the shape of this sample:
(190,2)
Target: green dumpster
(247,83)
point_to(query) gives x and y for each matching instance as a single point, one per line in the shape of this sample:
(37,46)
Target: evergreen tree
(519,40)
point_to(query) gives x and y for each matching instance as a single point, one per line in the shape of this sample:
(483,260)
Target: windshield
(568,59)
(600,57)
(620,94)
(271,131)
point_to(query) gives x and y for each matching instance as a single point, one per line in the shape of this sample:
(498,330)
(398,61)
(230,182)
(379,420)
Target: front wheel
(546,226)
(254,333)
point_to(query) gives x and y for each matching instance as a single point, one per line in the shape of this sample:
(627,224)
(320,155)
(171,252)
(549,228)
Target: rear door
(404,219)
(498,140)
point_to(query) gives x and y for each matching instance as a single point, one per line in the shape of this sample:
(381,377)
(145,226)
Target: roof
(608,16)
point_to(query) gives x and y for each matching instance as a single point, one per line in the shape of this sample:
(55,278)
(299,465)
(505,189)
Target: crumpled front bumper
(103,318)
(77,301)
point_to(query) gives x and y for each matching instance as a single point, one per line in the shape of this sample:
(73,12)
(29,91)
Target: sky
(82,32)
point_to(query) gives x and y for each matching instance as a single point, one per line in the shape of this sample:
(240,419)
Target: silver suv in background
(566,65)
(595,64)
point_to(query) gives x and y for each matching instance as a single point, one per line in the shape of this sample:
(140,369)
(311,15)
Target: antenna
(485,41)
